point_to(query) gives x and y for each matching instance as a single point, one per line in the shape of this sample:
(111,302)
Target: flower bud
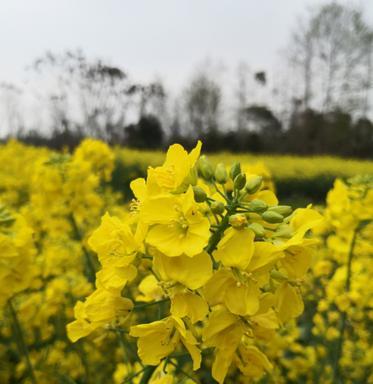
(276,275)
(199,194)
(217,207)
(239,181)
(283,230)
(238,220)
(235,170)
(272,217)
(253,184)
(206,169)
(192,178)
(221,175)
(257,229)
(256,206)
(284,210)
(5,217)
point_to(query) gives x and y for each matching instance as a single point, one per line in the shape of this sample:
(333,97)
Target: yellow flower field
(121,266)
(280,166)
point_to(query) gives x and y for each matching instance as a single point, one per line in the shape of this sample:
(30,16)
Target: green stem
(20,340)
(148,371)
(214,214)
(223,195)
(221,227)
(337,372)
(122,344)
(83,357)
(183,372)
(216,236)
(204,352)
(130,377)
(145,305)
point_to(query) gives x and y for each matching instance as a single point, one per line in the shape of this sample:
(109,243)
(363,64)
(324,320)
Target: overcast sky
(148,38)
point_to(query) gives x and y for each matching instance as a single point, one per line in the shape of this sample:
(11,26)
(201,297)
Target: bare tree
(368,84)
(90,97)
(241,96)
(330,50)
(301,56)
(202,103)
(10,96)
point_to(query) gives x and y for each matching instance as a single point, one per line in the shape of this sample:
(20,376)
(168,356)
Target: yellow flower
(297,254)
(240,297)
(175,169)
(252,362)
(223,332)
(114,242)
(193,272)
(289,303)
(169,177)
(178,225)
(98,154)
(150,289)
(159,339)
(188,304)
(302,220)
(115,278)
(99,309)
(17,258)
(236,248)
(265,254)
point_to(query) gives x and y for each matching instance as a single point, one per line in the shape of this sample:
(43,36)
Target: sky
(150,40)
(167,39)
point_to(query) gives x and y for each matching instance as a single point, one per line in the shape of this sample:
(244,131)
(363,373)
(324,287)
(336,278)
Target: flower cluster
(335,344)
(45,266)
(345,298)
(207,264)
(16,256)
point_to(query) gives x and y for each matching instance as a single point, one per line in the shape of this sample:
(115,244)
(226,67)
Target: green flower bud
(272,217)
(192,178)
(238,220)
(235,170)
(6,220)
(205,168)
(217,207)
(256,206)
(276,275)
(239,181)
(253,184)
(283,230)
(199,194)
(284,210)
(221,175)
(257,229)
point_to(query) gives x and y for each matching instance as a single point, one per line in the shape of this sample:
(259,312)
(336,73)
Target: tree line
(319,104)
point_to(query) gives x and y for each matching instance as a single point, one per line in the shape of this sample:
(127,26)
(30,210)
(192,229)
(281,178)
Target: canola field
(121,266)
(298,180)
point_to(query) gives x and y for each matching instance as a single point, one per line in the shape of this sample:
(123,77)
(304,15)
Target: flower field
(121,266)
(299,180)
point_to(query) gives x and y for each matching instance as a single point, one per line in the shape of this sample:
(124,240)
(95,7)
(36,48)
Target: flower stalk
(20,341)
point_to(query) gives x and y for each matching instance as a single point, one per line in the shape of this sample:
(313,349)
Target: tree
(331,51)
(88,96)
(265,125)
(202,104)
(363,138)
(147,133)
(241,97)
(10,96)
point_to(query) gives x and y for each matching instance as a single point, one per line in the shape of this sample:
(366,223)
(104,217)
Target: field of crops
(122,266)
(299,180)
